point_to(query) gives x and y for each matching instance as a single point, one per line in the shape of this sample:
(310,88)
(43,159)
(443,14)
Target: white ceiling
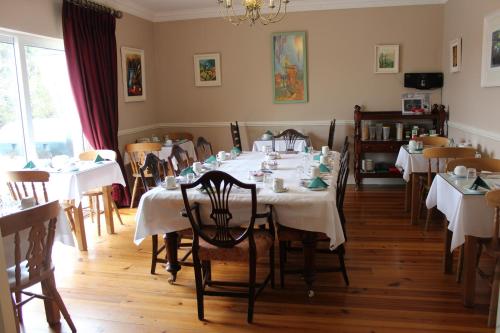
(173,10)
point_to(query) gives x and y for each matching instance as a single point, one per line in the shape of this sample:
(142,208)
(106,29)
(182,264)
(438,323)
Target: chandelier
(253,11)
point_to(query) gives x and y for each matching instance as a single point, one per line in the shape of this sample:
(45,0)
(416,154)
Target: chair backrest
(345,147)
(178,160)
(137,153)
(180,136)
(40,238)
(290,136)
(331,134)
(203,149)
(218,186)
(342,180)
(493,200)
(154,168)
(436,154)
(28,183)
(434,141)
(92,154)
(235,135)
(480,164)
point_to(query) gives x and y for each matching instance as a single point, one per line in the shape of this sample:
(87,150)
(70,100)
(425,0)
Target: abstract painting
(490,74)
(134,74)
(207,71)
(386,58)
(289,67)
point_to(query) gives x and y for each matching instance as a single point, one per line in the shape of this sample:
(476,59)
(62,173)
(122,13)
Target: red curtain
(90,45)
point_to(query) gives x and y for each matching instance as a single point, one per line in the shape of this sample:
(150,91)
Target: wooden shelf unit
(437,118)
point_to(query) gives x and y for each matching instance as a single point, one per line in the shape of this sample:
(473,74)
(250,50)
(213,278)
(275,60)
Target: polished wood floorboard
(395,270)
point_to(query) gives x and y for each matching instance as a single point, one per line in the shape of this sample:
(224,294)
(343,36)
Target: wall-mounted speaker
(424,81)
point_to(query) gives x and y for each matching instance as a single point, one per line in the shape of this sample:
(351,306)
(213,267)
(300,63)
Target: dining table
(469,219)
(158,212)
(280,145)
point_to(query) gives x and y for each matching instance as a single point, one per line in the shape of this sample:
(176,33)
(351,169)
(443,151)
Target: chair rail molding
(495,136)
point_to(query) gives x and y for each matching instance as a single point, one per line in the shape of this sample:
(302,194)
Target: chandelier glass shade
(275,11)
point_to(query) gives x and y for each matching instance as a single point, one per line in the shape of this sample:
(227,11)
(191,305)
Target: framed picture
(456,55)
(490,75)
(207,71)
(409,105)
(289,67)
(134,74)
(386,59)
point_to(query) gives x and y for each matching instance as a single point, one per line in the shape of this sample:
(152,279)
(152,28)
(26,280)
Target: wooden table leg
(470,253)
(51,309)
(408,194)
(414,199)
(309,247)
(447,255)
(108,209)
(173,266)
(81,238)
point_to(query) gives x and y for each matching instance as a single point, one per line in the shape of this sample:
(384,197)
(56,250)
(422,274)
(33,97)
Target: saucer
(283,190)
(170,188)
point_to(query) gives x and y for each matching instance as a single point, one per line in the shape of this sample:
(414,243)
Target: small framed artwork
(386,59)
(490,75)
(413,105)
(456,55)
(207,72)
(134,74)
(289,67)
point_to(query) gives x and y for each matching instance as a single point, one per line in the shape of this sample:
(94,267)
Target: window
(38,117)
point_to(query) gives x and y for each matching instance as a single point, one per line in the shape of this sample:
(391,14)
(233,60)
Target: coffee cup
(314,171)
(325,150)
(197,167)
(278,184)
(221,155)
(460,171)
(170,182)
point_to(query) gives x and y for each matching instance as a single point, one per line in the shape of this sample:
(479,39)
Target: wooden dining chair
(480,164)
(178,160)
(203,149)
(137,154)
(33,183)
(235,135)
(95,195)
(345,147)
(433,141)
(180,136)
(438,156)
(290,136)
(331,134)
(35,265)
(218,241)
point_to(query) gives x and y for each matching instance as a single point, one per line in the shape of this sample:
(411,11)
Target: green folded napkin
(479,182)
(211,159)
(317,157)
(323,168)
(236,150)
(187,171)
(30,165)
(318,183)
(98,159)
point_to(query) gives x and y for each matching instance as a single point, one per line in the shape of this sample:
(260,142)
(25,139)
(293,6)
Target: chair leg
(117,212)
(282,249)
(492,316)
(271,266)
(342,266)
(251,289)
(460,264)
(199,286)
(19,298)
(51,286)
(91,208)
(98,213)
(428,218)
(154,254)
(134,190)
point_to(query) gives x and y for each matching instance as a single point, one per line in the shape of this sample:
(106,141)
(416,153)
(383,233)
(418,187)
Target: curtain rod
(97,7)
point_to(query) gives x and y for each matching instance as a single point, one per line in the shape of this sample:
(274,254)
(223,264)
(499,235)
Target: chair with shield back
(95,195)
(203,149)
(235,135)
(178,160)
(137,154)
(345,147)
(331,134)
(33,230)
(290,137)
(217,238)
(437,159)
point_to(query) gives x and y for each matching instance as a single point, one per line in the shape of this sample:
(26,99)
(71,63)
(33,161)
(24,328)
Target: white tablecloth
(415,162)
(300,208)
(258,145)
(468,214)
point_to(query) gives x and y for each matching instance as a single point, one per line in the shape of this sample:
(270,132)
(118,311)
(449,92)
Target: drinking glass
(268,180)
(190,178)
(471,173)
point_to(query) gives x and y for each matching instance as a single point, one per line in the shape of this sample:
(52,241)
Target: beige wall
(473,109)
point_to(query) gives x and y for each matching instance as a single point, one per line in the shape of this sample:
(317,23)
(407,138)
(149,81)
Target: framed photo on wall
(386,59)
(456,55)
(490,74)
(207,72)
(289,67)
(134,74)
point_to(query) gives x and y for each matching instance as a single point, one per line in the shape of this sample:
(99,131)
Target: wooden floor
(397,285)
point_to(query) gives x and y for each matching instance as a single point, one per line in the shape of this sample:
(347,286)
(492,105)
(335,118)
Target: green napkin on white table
(211,159)
(323,168)
(30,165)
(187,171)
(318,183)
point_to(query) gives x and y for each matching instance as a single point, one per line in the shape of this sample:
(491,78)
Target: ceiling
(174,10)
